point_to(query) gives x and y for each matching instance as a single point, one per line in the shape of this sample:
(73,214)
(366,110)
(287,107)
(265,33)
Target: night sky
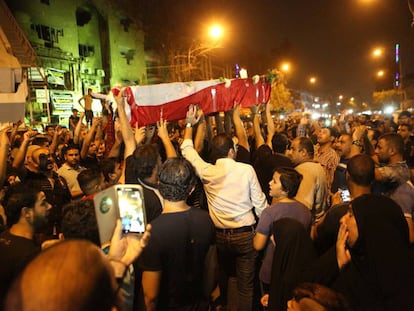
(330,39)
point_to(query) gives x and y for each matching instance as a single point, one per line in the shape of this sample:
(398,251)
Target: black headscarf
(381,273)
(293,251)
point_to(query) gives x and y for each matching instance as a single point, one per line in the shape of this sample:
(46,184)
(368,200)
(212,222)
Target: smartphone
(125,202)
(345,195)
(131,209)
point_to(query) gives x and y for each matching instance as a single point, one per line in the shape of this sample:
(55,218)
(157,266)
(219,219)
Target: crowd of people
(243,214)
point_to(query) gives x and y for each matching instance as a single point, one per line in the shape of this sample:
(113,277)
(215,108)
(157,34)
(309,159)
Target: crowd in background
(246,213)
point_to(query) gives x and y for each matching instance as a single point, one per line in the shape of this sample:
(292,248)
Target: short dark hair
(221,145)
(306,144)
(145,159)
(17,197)
(88,180)
(394,140)
(79,221)
(280,142)
(361,169)
(332,131)
(107,167)
(324,296)
(404,113)
(176,179)
(40,140)
(69,147)
(290,180)
(407,125)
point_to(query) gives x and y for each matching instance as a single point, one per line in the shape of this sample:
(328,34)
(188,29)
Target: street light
(384,55)
(312,80)
(285,67)
(195,62)
(377,52)
(216,31)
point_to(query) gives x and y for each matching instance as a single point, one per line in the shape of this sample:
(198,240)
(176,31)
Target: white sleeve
(188,152)
(257,196)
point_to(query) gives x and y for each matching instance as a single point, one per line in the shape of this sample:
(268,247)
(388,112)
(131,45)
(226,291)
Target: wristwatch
(357,143)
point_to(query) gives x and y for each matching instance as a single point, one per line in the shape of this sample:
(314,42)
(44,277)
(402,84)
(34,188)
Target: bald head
(72,275)
(361,170)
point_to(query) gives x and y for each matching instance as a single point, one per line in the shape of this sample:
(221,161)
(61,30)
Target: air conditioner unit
(100,72)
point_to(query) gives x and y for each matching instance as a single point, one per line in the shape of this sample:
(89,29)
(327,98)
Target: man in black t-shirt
(73,120)
(173,261)
(26,211)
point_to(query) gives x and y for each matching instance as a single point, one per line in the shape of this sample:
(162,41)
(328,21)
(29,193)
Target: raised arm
(55,140)
(256,128)
(139,134)
(239,128)
(209,128)
(76,134)
(89,137)
(270,125)
(192,119)
(99,133)
(163,135)
(126,129)
(4,152)
(21,153)
(14,131)
(116,147)
(200,133)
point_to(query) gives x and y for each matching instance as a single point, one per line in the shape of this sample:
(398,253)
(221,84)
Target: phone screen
(345,195)
(131,210)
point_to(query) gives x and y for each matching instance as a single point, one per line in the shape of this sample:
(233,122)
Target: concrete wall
(110,54)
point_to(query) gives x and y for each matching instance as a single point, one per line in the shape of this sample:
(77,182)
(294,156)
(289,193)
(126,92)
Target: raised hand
(192,115)
(139,133)
(127,248)
(162,129)
(30,135)
(343,256)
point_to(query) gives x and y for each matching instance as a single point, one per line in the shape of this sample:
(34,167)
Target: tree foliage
(280,96)
(385,97)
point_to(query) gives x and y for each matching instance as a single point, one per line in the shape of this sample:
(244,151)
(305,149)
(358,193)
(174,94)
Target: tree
(280,96)
(379,99)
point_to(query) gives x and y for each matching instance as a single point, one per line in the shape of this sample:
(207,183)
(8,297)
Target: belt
(236,230)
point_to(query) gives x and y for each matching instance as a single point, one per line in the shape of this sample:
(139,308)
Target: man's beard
(39,222)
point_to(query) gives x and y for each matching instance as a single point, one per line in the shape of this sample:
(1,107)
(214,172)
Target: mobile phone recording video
(131,209)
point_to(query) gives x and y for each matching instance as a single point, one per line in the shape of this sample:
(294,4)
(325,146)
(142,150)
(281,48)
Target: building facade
(79,44)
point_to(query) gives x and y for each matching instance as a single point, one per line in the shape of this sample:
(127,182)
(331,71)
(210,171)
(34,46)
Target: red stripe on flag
(212,99)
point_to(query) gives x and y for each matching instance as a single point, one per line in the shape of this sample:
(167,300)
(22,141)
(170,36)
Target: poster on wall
(42,96)
(55,76)
(62,102)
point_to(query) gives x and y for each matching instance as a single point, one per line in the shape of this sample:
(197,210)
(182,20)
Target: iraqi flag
(170,101)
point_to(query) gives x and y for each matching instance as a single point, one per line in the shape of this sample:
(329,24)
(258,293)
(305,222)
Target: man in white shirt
(232,191)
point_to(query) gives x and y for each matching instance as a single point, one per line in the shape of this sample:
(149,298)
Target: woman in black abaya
(380,274)
(293,250)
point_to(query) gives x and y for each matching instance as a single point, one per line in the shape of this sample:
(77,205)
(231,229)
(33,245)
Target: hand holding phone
(345,195)
(131,210)
(125,202)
